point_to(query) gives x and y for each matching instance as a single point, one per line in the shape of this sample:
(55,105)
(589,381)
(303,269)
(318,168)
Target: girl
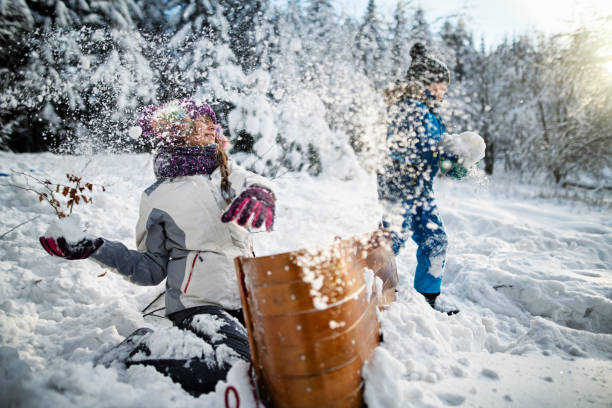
(184,233)
(405,182)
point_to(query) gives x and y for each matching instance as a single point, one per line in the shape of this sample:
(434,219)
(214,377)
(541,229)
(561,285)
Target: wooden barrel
(311,319)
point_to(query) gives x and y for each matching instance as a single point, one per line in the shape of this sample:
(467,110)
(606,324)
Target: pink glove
(60,247)
(256,203)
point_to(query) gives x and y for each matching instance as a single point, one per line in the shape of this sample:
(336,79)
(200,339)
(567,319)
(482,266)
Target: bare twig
(586,186)
(158,316)
(154,300)
(41,196)
(14,228)
(152,313)
(75,193)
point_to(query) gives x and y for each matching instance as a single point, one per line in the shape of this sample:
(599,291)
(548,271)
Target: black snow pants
(195,375)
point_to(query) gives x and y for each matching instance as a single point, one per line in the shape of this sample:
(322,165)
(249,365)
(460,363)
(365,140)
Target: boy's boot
(431,299)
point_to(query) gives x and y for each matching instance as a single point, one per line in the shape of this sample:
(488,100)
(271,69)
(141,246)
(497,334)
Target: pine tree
(320,18)
(420,30)
(459,41)
(370,45)
(400,53)
(319,10)
(188,18)
(69,86)
(152,20)
(16,21)
(483,88)
(198,36)
(246,21)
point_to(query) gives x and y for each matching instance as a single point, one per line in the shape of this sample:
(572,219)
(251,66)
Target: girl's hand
(255,204)
(63,249)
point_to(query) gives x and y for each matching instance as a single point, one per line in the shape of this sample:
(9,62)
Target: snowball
(68,228)
(446,165)
(469,146)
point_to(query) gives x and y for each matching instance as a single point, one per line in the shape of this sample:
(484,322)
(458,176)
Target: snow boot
(431,299)
(124,350)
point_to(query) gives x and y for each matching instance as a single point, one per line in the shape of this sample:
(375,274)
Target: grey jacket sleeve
(147,268)
(148,265)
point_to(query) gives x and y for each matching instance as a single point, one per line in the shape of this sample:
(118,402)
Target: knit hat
(196,110)
(177,118)
(425,68)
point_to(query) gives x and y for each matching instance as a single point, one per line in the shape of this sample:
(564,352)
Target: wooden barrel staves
(311,319)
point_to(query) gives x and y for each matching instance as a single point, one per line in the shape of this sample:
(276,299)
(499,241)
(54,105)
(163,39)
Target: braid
(225,183)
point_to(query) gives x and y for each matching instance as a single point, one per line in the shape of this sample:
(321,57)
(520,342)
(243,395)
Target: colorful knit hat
(196,110)
(167,122)
(177,117)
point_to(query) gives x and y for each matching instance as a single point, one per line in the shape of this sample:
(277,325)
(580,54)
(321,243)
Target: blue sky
(497,18)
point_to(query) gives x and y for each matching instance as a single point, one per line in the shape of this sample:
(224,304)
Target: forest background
(298,85)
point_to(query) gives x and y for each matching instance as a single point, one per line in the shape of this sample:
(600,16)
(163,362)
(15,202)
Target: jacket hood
(400,90)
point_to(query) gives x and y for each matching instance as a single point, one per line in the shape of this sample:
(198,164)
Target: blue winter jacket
(413,136)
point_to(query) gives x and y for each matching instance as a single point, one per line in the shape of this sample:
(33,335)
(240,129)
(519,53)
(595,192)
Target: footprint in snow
(452,400)
(489,374)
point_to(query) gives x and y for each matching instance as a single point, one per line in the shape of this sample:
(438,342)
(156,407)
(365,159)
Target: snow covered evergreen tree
(511,111)
(16,21)
(83,76)
(86,67)
(400,41)
(419,28)
(483,84)
(459,41)
(369,45)
(245,19)
(456,49)
(152,20)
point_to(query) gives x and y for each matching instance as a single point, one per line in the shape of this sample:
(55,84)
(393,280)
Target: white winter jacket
(180,237)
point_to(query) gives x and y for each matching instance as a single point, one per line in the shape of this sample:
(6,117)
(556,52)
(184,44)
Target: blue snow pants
(428,233)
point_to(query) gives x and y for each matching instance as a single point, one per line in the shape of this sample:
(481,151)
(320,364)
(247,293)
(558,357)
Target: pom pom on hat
(144,121)
(134,132)
(417,50)
(425,68)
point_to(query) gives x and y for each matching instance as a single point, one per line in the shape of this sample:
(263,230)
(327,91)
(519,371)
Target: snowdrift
(531,276)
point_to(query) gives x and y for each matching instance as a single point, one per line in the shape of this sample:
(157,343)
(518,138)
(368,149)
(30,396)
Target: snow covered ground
(532,277)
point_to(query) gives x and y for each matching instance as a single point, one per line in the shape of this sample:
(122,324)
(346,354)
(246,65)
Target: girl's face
(203,133)
(438,90)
